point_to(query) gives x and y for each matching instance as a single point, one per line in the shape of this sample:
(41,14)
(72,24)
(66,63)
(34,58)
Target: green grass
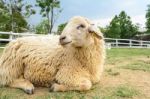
(8,93)
(134,58)
(118,55)
(2,45)
(122,92)
(1,50)
(116,60)
(138,66)
(124,52)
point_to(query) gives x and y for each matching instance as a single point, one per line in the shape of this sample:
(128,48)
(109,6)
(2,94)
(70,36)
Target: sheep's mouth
(65,43)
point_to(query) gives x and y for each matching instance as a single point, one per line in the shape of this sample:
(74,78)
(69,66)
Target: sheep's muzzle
(63,40)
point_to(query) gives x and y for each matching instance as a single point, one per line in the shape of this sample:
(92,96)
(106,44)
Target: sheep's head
(80,32)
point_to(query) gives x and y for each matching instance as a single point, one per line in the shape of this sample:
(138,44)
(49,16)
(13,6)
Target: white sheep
(73,61)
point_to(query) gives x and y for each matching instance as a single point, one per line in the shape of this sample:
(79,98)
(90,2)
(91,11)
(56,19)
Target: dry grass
(126,76)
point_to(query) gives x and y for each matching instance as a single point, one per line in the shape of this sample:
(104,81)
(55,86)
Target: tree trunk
(48,27)
(52,19)
(12,19)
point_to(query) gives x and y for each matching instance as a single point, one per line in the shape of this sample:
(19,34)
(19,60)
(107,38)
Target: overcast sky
(101,11)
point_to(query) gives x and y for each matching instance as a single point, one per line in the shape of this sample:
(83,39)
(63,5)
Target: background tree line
(121,26)
(14,15)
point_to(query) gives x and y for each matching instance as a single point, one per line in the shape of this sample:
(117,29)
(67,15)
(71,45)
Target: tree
(19,10)
(128,29)
(41,28)
(148,19)
(4,19)
(122,27)
(14,14)
(113,30)
(61,27)
(48,7)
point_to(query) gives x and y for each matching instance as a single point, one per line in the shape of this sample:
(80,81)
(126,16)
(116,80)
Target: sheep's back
(38,55)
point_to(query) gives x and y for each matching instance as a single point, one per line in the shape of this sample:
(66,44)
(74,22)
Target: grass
(133,59)
(8,93)
(122,91)
(124,52)
(138,66)
(115,83)
(1,50)
(118,55)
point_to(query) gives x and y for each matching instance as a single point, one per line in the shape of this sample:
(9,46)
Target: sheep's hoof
(29,91)
(51,89)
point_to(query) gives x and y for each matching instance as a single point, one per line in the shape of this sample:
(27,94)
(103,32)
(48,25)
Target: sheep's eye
(81,26)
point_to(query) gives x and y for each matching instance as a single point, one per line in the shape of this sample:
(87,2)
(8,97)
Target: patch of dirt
(140,80)
(143,59)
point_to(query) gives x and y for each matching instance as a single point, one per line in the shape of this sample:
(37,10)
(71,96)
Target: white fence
(127,43)
(13,36)
(110,42)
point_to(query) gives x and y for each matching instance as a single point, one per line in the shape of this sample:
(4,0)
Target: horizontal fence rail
(127,43)
(110,42)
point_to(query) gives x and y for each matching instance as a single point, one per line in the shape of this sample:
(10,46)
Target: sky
(100,11)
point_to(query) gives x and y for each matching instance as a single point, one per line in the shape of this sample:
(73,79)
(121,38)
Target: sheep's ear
(98,34)
(96,31)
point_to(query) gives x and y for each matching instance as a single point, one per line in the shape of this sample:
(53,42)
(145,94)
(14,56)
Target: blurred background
(124,19)
(124,23)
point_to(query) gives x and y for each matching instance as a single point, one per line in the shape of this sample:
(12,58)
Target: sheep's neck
(89,57)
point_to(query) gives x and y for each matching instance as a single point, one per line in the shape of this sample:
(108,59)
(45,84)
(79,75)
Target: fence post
(141,43)
(116,42)
(130,42)
(11,36)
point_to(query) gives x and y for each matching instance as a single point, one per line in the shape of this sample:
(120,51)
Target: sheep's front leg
(23,84)
(83,86)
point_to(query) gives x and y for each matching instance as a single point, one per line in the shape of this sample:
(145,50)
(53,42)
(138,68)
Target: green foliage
(48,7)
(148,19)
(128,30)
(41,28)
(103,30)
(114,29)
(21,24)
(61,27)
(20,6)
(4,17)
(13,15)
(121,27)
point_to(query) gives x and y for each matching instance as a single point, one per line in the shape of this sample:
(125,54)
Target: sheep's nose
(62,37)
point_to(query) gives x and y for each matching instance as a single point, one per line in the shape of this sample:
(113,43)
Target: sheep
(72,61)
